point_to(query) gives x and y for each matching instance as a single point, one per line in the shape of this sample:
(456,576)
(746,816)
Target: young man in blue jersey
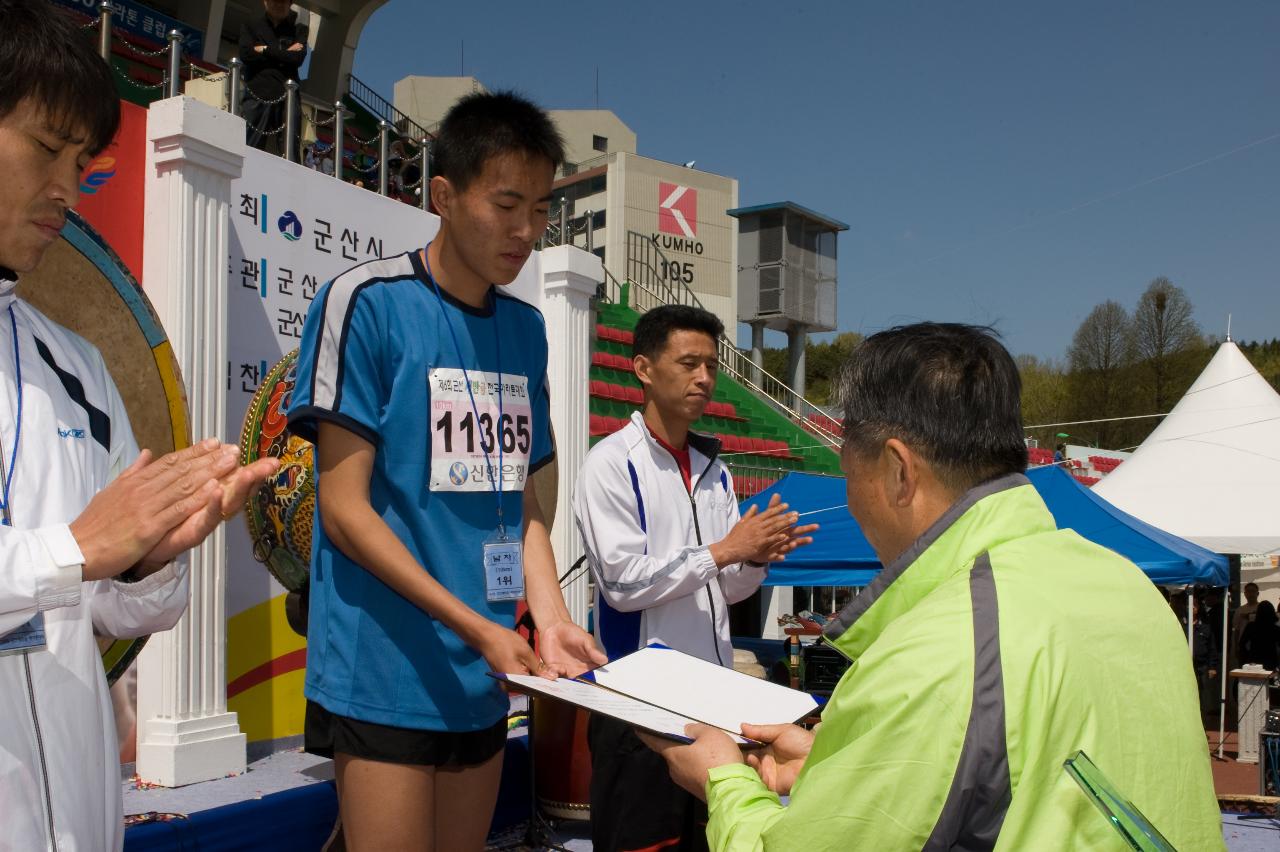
(424,388)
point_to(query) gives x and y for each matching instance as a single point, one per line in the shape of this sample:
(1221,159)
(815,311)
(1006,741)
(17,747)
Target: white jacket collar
(8,287)
(704,445)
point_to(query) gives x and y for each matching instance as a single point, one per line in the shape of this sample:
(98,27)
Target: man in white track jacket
(659,520)
(82,510)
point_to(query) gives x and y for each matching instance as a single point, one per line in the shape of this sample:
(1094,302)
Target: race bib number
(460,439)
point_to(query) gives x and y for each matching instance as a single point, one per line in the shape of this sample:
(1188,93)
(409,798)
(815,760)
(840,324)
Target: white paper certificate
(598,700)
(663,690)
(693,687)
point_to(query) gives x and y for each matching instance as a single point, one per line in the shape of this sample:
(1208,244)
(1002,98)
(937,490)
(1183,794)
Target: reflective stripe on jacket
(984,657)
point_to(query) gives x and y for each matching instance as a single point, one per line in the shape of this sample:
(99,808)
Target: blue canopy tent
(841,556)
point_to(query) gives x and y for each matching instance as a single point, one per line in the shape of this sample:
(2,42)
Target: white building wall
(427,99)
(580,126)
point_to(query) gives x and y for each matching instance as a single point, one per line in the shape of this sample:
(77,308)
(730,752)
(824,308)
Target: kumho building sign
(681,214)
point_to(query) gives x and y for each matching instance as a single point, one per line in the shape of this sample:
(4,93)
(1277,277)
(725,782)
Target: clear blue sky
(991,159)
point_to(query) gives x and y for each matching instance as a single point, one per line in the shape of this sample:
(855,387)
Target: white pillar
(569,280)
(776,601)
(185,733)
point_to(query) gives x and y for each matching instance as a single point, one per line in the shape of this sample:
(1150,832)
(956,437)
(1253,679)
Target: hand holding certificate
(662,691)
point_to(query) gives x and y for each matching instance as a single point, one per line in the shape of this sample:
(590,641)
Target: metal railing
(174,67)
(646,290)
(167,60)
(567,169)
(384,109)
(563,229)
(750,479)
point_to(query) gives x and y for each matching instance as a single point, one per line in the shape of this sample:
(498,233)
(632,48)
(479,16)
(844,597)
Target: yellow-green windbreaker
(984,657)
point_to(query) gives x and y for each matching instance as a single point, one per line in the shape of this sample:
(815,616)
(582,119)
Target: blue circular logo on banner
(458,473)
(289,225)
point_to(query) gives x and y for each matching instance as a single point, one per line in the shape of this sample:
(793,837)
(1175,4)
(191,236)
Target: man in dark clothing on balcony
(272,48)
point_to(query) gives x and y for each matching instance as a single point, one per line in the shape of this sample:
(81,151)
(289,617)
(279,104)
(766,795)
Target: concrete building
(427,99)
(590,135)
(787,278)
(661,225)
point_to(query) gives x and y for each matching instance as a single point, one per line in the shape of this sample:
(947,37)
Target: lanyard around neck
(475,410)
(7,473)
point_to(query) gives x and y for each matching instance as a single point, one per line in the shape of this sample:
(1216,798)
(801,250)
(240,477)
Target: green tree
(822,362)
(1046,396)
(1265,357)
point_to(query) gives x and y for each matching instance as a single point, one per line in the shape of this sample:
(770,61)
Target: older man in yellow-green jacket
(991,648)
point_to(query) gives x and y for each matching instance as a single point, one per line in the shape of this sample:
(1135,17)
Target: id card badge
(503,568)
(28,637)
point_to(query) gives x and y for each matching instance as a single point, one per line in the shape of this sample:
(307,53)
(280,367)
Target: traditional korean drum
(280,513)
(83,285)
(561,759)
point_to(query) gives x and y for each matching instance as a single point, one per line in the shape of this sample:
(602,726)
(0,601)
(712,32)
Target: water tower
(786,277)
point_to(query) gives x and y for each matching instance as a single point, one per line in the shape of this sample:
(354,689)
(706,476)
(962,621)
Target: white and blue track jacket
(59,761)
(647,543)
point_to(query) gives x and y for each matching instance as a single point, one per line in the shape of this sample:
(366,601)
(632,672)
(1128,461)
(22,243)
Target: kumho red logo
(677,210)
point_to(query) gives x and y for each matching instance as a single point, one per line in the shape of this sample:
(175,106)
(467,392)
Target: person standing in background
(273,47)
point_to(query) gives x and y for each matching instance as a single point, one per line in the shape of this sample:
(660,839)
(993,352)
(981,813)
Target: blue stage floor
(287,802)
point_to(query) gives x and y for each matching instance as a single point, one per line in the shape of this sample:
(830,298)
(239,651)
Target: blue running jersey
(377,359)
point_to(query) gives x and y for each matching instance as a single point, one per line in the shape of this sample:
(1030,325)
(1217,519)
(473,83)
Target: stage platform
(287,802)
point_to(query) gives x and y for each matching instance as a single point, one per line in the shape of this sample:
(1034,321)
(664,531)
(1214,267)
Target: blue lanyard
(475,410)
(17,429)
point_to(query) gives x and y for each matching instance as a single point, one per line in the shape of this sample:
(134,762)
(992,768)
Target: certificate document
(662,690)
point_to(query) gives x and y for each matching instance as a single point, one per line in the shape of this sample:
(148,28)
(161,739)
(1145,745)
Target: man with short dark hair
(273,47)
(669,553)
(82,510)
(991,647)
(423,386)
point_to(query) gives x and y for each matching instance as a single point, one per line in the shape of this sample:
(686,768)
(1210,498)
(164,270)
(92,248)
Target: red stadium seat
(635,396)
(1039,455)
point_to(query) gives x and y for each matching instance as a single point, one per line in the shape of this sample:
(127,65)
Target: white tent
(1210,473)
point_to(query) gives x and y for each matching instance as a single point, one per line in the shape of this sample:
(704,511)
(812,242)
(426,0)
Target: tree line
(1121,363)
(1126,363)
